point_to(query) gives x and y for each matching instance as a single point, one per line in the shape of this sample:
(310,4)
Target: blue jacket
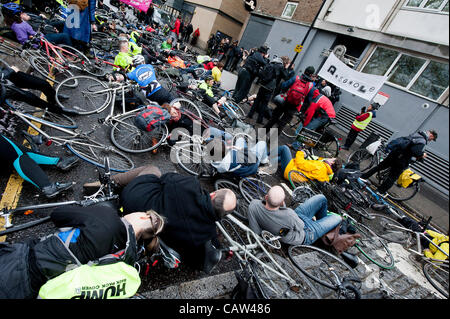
(82,32)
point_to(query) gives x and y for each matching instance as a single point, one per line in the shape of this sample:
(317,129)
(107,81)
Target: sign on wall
(142,5)
(361,84)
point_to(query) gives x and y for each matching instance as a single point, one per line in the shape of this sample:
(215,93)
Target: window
(289,10)
(417,75)
(430,5)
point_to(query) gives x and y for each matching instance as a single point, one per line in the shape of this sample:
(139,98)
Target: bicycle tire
(327,146)
(96,152)
(128,138)
(83,98)
(83,61)
(401,194)
(190,158)
(373,247)
(297,179)
(290,129)
(383,226)
(24,226)
(364,159)
(314,262)
(241,204)
(253,188)
(188,106)
(50,71)
(274,286)
(438,276)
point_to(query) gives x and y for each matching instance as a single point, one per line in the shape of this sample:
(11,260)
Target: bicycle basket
(308,137)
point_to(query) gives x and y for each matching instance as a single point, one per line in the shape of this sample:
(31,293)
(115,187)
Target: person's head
(324,83)
(147,226)
(175,113)
(275,198)
(123,46)
(169,40)
(224,202)
(432,135)
(138,60)
(335,163)
(327,91)
(220,66)
(365,109)
(24,16)
(209,80)
(286,61)
(310,70)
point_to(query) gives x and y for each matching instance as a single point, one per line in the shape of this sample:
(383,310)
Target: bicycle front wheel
(95,153)
(190,157)
(323,267)
(438,276)
(363,158)
(188,107)
(400,193)
(51,71)
(290,129)
(373,247)
(272,285)
(85,95)
(241,205)
(128,138)
(253,188)
(327,146)
(390,230)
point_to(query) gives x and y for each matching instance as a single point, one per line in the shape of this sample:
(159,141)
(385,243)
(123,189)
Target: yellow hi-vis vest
(363,125)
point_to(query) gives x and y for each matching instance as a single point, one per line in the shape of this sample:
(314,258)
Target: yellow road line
(13,189)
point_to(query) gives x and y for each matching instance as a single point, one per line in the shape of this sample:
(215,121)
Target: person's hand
(42,15)
(425,155)
(94,27)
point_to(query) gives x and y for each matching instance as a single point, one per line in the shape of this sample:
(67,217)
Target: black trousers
(351,138)
(396,169)
(243,85)
(28,81)
(283,114)
(260,104)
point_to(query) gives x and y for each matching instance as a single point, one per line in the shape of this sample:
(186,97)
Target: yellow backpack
(407,178)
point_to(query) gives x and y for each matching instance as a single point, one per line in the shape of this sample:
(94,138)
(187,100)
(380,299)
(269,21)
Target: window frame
(414,79)
(423,9)
(285,7)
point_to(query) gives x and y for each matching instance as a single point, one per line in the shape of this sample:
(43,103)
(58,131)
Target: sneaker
(65,164)
(55,189)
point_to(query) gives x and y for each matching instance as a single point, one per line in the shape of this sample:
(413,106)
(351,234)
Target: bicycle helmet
(208,78)
(138,60)
(12,9)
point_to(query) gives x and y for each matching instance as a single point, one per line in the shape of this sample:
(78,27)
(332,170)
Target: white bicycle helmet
(138,60)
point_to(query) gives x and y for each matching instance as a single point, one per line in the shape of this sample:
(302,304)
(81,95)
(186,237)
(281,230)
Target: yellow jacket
(441,241)
(314,170)
(216,74)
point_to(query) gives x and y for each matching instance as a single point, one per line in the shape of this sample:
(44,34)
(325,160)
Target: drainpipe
(309,31)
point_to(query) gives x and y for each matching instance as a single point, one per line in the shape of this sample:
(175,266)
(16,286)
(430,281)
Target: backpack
(151,117)
(109,277)
(82,4)
(267,74)
(402,143)
(297,93)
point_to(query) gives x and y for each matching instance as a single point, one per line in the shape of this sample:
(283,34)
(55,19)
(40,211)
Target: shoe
(350,259)
(54,189)
(91,188)
(65,164)
(212,257)
(63,97)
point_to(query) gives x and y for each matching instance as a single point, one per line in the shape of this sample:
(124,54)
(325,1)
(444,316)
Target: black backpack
(267,74)
(402,143)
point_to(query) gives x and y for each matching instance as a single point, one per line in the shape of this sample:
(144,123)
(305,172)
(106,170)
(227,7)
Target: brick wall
(305,12)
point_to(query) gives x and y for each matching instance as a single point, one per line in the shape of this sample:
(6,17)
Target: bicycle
(366,161)
(104,194)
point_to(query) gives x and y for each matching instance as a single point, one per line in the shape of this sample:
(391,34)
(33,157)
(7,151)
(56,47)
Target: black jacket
(254,63)
(280,73)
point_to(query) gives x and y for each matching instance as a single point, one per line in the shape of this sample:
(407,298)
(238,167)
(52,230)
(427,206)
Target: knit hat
(310,70)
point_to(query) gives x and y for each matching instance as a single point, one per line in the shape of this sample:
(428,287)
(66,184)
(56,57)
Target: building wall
(305,12)
(205,25)
(226,26)
(256,32)
(235,9)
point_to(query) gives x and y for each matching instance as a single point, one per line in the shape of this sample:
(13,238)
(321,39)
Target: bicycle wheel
(128,138)
(89,95)
(210,118)
(46,116)
(297,179)
(327,146)
(363,158)
(400,193)
(390,230)
(438,276)
(274,286)
(76,57)
(253,188)
(190,157)
(290,129)
(51,71)
(188,106)
(241,205)
(323,267)
(95,153)
(236,109)
(373,247)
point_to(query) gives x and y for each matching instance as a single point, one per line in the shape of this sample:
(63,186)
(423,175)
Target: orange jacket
(176,62)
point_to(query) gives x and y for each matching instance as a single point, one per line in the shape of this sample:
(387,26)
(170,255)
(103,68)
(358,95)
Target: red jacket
(177,27)
(319,102)
(209,66)
(360,118)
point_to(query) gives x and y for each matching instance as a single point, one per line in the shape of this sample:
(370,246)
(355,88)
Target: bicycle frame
(247,250)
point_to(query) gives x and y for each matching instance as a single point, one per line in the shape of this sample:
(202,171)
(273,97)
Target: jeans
(216,133)
(284,157)
(59,38)
(243,85)
(317,123)
(283,114)
(316,206)
(260,104)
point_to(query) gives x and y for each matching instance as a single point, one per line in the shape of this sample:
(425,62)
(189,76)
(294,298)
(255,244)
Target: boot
(65,164)
(350,259)
(55,189)
(212,257)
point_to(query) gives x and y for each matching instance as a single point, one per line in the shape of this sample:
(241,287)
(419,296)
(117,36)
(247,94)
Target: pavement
(405,280)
